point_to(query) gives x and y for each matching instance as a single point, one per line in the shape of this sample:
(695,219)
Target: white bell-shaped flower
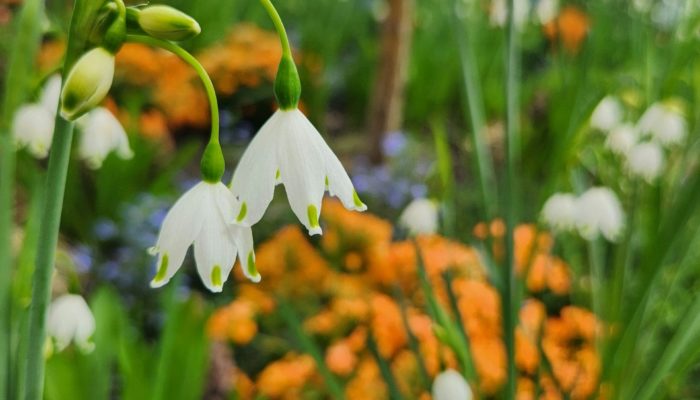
(420,217)
(51,93)
(101,134)
(598,211)
(289,150)
(451,385)
(32,127)
(203,216)
(559,211)
(665,125)
(621,139)
(70,320)
(646,160)
(607,114)
(499,13)
(547,10)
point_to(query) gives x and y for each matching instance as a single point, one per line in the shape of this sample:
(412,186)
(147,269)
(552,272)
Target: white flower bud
(607,114)
(420,217)
(646,160)
(559,211)
(167,23)
(70,320)
(451,385)
(88,83)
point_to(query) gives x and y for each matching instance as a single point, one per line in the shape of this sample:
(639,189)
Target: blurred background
(411,96)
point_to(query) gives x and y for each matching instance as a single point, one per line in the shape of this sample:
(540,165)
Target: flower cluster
(357,271)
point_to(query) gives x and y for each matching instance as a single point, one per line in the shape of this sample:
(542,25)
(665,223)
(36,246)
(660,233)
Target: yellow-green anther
(312,213)
(213,164)
(164,22)
(87,83)
(243,212)
(216,276)
(162,269)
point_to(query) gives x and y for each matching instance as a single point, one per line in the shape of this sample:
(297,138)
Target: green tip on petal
(356,200)
(277,175)
(243,212)
(216,276)
(252,270)
(326,182)
(162,270)
(312,213)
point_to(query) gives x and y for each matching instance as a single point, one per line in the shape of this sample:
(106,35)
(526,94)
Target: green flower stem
(20,66)
(510,296)
(201,72)
(279,26)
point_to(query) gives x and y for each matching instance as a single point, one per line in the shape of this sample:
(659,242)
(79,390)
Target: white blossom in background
(70,320)
(642,6)
(451,385)
(547,11)
(646,160)
(666,125)
(622,138)
(559,211)
(499,12)
(420,217)
(607,114)
(203,216)
(33,123)
(32,128)
(289,150)
(598,212)
(101,134)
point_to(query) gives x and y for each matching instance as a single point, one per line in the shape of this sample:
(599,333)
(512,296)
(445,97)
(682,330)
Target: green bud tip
(164,22)
(287,84)
(87,83)
(213,164)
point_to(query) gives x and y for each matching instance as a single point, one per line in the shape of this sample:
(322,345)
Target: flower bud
(88,83)
(287,84)
(451,385)
(167,23)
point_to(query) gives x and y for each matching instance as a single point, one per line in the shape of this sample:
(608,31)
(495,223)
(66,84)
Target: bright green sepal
(287,84)
(212,165)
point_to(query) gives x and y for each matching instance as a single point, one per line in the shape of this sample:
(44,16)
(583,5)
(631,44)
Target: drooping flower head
(646,160)
(70,320)
(101,134)
(203,216)
(33,123)
(598,212)
(451,385)
(559,211)
(621,139)
(666,125)
(607,114)
(420,217)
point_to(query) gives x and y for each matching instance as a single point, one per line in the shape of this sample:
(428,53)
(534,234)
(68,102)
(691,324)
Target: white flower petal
(607,114)
(302,170)
(598,211)
(451,385)
(181,226)
(254,179)
(646,160)
(559,211)
(622,138)
(338,181)
(32,127)
(101,133)
(51,93)
(420,217)
(70,320)
(243,236)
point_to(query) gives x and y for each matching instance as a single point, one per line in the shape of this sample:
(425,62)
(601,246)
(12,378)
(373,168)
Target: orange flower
(286,377)
(367,384)
(235,322)
(548,272)
(387,325)
(525,389)
(489,356)
(153,124)
(340,358)
(572,25)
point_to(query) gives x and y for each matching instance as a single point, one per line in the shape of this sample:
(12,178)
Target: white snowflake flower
(451,385)
(101,134)
(499,13)
(607,114)
(51,93)
(70,320)
(598,211)
(665,125)
(646,160)
(32,127)
(547,11)
(420,217)
(289,150)
(621,139)
(559,211)
(203,216)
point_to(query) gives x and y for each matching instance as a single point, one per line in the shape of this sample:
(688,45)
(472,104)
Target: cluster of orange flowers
(571,27)
(347,288)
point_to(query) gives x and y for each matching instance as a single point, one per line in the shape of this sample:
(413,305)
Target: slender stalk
(201,72)
(46,255)
(279,26)
(26,43)
(510,300)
